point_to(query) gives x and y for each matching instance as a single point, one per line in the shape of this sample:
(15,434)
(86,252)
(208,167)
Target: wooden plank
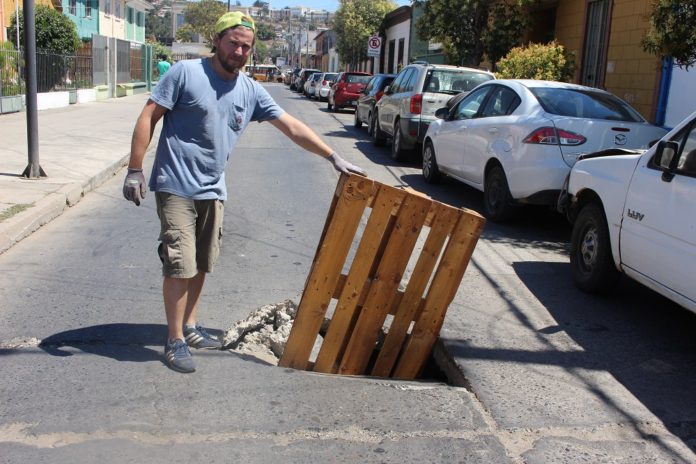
(345,313)
(326,270)
(445,218)
(441,293)
(398,250)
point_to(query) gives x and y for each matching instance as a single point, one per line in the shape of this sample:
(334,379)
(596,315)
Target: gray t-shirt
(206,116)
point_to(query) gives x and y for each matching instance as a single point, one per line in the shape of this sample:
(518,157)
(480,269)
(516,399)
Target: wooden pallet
(360,338)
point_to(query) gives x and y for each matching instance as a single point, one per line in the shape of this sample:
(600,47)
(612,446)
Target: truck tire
(591,259)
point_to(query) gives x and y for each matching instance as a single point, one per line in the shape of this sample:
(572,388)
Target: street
(549,374)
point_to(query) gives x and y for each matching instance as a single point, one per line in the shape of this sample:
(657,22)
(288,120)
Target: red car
(347,89)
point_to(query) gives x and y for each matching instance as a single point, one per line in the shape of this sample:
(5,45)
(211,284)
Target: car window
(409,82)
(585,104)
(469,106)
(358,79)
(687,160)
(396,85)
(454,81)
(503,101)
(330,76)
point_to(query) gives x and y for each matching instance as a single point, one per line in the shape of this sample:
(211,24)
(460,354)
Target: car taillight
(324,82)
(378,95)
(553,136)
(416,103)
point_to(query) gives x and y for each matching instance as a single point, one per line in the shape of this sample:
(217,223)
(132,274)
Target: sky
(329,5)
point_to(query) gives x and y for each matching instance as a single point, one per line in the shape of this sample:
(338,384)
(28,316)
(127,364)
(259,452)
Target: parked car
(369,98)
(346,89)
(635,214)
(310,85)
(293,77)
(302,78)
(516,140)
(324,86)
(409,103)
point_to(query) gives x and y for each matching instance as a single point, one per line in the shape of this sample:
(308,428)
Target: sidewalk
(80,146)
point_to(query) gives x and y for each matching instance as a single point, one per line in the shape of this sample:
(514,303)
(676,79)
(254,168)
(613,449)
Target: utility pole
(33,169)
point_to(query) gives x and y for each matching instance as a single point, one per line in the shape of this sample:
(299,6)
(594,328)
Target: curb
(23,224)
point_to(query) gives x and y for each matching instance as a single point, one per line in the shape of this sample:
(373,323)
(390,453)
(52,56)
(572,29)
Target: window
(585,104)
(470,105)
(399,80)
(117,8)
(88,8)
(687,160)
(503,101)
(107,7)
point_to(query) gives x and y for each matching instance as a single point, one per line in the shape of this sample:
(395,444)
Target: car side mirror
(666,158)
(387,90)
(442,113)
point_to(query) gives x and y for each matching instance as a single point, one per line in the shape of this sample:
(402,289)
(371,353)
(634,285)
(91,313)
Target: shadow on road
(642,339)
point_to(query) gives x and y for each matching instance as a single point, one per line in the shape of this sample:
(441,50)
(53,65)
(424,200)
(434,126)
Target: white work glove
(344,166)
(134,186)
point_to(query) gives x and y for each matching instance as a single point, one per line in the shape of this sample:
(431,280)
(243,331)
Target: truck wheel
(591,260)
(497,201)
(431,173)
(377,135)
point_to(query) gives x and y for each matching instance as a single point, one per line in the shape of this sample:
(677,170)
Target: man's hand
(344,166)
(134,186)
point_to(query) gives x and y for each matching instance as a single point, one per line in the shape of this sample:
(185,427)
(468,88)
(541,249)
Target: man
(206,104)
(163,65)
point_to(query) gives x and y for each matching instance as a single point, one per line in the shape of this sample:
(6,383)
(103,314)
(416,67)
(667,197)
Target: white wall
(395,33)
(681,101)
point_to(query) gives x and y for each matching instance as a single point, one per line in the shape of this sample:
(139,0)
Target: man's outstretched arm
(302,135)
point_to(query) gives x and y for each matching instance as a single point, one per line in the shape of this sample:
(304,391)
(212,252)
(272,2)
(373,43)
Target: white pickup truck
(634,212)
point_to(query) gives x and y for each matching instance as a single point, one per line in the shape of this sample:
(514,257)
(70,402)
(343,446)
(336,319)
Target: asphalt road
(555,375)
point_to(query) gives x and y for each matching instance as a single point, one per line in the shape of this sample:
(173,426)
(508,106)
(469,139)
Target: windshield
(585,104)
(357,79)
(453,81)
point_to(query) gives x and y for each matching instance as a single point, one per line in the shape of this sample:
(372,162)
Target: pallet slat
(326,270)
(409,222)
(370,291)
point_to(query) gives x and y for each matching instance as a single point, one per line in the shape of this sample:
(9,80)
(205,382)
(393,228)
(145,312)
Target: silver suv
(409,103)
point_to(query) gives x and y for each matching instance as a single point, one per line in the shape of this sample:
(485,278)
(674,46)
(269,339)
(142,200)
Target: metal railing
(11,73)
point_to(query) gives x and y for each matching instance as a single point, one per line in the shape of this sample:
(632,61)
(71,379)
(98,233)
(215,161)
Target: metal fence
(87,68)
(11,73)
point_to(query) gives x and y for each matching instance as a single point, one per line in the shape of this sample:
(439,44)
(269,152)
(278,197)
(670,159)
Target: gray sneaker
(179,357)
(197,337)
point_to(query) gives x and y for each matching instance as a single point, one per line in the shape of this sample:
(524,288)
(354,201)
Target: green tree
(158,26)
(264,31)
(55,32)
(202,16)
(673,31)
(354,23)
(56,38)
(507,22)
(549,62)
(480,27)
(185,33)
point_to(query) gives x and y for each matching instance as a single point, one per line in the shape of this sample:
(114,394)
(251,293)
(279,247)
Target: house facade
(8,9)
(605,37)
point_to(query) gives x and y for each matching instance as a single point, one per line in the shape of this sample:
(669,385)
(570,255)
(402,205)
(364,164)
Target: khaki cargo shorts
(190,234)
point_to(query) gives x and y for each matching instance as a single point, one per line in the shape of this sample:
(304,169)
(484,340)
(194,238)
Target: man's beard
(231,67)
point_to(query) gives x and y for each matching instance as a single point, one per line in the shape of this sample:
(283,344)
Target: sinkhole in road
(265,332)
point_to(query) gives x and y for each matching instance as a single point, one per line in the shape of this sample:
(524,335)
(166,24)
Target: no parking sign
(374,45)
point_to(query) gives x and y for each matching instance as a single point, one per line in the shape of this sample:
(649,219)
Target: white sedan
(516,140)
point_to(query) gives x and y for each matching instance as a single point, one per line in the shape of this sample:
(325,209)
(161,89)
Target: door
(489,134)
(658,234)
(451,139)
(595,46)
